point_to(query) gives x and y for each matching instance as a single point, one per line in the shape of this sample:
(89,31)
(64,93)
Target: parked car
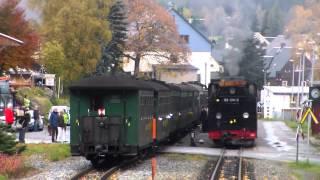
(31,125)
(61,108)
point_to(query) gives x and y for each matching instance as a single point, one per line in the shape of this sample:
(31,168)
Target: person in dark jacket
(54,121)
(203,118)
(36,117)
(24,121)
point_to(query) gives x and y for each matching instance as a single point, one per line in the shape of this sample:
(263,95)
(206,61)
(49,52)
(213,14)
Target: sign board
(314,118)
(49,79)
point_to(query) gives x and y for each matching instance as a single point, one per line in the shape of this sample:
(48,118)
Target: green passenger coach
(116,115)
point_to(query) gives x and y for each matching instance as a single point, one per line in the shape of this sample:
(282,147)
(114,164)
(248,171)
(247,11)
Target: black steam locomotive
(232,116)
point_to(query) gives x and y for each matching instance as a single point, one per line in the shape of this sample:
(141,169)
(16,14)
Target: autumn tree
(304,30)
(13,23)
(153,33)
(75,29)
(273,21)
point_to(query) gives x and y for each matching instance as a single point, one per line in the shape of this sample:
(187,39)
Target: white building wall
(145,63)
(206,64)
(277,98)
(201,60)
(177,77)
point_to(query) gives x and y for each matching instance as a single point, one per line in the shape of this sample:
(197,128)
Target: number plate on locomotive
(231,100)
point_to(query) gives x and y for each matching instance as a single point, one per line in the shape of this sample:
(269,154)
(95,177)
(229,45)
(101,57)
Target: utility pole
(299,81)
(205,75)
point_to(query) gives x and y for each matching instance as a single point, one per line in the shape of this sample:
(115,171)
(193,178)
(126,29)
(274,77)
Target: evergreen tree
(251,65)
(113,51)
(7,140)
(273,21)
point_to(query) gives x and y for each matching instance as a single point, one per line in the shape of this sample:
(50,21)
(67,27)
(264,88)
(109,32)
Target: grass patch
(2,177)
(293,125)
(188,157)
(53,152)
(305,170)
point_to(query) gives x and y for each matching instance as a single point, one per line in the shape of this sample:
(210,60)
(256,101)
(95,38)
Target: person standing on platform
(8,113)
(36,117)
(26,102)
(24,121)
(54,121)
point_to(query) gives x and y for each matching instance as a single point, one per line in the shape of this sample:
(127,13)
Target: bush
(7,141)
(9,165)
(38,96)
(60,102)
(44,104)
(8,145)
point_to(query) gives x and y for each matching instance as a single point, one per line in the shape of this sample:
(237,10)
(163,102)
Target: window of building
(185,38)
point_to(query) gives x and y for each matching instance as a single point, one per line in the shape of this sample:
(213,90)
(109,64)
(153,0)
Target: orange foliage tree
(13,23)
(304,30)
(152,32)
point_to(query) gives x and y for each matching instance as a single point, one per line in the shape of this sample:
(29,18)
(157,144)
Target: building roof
(279,51)
(287,89)
(176,66)
(11,39)
(186,21)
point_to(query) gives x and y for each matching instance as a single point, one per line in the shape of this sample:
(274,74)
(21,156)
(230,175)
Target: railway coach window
(96,102)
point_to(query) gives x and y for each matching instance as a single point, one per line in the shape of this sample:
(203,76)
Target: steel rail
(112,170)
(218,165)
(82,173)
(240,164)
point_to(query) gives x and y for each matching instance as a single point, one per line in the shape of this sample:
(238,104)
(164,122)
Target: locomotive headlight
(160,118)
(218,115)
(245,115)
(217,100)
(101,112)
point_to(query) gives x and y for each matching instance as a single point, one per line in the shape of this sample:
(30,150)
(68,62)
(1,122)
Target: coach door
(115,110)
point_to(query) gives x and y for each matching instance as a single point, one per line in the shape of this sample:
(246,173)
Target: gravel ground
(64,169)
(265,169)
(169,166)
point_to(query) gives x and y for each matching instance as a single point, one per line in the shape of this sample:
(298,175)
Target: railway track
(228,167)
(106,173)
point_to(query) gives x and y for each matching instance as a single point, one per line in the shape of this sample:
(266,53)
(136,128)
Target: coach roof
(158,85)
(110,82)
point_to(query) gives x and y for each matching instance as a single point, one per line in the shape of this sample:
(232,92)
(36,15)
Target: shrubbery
(9,165)
(38,96)
(7,140)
